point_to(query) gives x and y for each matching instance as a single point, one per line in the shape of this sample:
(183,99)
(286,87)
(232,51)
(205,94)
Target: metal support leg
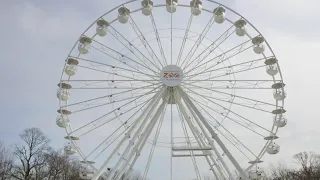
(154,102)
(187,100)
(226,168)
(200,141)
(142,141)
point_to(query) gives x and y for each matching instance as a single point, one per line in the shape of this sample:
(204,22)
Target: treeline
(35,159)
(308,168)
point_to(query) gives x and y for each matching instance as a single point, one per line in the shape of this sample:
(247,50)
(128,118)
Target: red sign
(167,75)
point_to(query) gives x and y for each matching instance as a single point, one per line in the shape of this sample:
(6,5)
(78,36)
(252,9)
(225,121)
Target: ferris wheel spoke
(81,85)
(93,103)
(135,152)
(107,146)
(99,85)
(112,119)
(225,67)
(228,101)
(143,119)
(238,115)
(206,130)
(101,97)
(108,103)
(112,72)
(115,74)
(135,70)
(233,95)
(222,57)
(186,98)
(108,138)
(158,39)
(198,42)
(234,141)
(118,75)
(144,41)
(192,154)
(171,42)
(129,46)
(240,71)
(235,84)
(112,84)
(212,47)
(242,124)
(154,143)
(116,80)
(121,57)
(112,111)
(199,139)
(184,39)
(128,121)
(237,141)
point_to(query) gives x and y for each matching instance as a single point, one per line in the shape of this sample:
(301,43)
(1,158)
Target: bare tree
(6,162)
(31,154)
(281,172)
(310,165)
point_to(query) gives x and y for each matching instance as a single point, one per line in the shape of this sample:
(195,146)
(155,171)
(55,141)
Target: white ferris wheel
(173,90)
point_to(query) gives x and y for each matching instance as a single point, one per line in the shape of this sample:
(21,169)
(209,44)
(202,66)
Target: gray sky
(38,35)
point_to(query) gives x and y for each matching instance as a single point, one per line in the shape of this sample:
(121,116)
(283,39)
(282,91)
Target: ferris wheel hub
(171,75)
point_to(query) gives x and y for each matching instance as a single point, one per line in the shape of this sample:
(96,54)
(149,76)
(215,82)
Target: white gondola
(71,67)
(172,5)
(71,70)
(84,45)
(272,70)
(258,47)
(196,7)
(219,15)
(147,6)
(241,29)
(63,94)
(69,149)
(256,174)
(62,121)
(86,172)
(123,16)
(281,121)
(102,27)
(279,94)
(273,148)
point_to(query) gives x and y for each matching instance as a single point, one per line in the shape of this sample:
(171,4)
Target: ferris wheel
(172,90)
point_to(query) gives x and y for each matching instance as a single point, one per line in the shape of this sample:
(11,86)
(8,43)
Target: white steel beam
(143,139)
(185,148)
(201,142)
(188,155)
(187,100)
(154,102)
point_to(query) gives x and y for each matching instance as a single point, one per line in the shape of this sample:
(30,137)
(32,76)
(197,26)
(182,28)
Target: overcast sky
(38,35)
